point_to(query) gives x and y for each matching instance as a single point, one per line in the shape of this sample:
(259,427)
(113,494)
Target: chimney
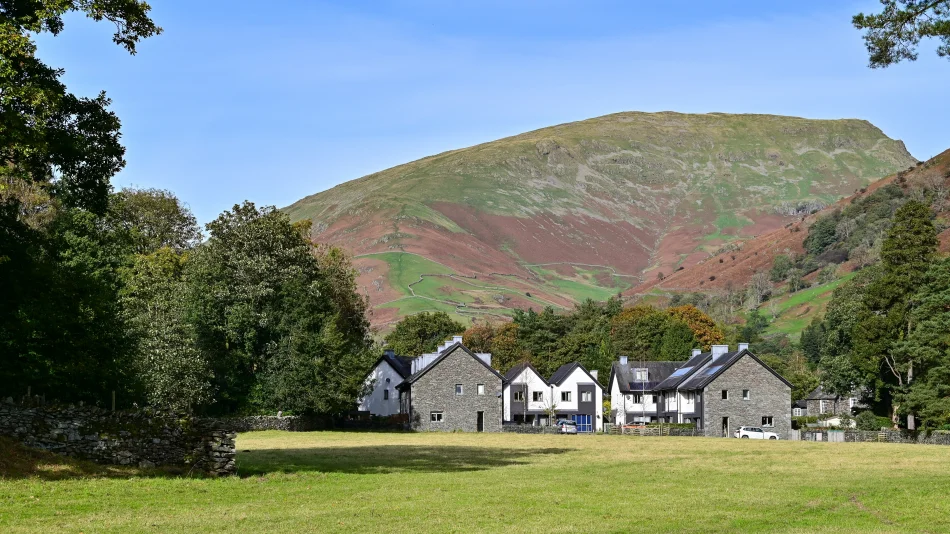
(623,360)
(594,374)
(719,350)
(456,339)
(697,352)
(389,352)
(743,346)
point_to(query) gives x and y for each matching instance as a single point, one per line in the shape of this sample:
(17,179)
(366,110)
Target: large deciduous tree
(422,333)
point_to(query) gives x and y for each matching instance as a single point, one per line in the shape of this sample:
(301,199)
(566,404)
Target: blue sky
(237,101)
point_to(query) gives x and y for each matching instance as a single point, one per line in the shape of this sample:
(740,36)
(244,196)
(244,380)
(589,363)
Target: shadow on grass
(384,459)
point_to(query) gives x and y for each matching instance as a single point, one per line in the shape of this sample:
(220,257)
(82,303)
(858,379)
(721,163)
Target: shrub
(866,420)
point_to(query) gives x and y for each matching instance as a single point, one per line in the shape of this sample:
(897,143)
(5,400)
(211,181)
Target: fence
(937,437)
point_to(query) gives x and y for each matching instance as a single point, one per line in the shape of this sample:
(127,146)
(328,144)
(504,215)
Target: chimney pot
(456,339)
(743,346)
(719,350)
(697,352)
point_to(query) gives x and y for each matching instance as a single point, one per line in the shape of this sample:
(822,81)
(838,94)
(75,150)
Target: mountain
(586,209)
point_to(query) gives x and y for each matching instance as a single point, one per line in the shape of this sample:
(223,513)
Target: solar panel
(681,372)
(711,370)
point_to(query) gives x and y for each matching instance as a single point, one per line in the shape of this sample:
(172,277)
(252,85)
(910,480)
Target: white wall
(570,384)
(534,383)
(374,403)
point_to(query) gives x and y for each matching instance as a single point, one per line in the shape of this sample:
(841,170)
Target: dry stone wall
(123,438)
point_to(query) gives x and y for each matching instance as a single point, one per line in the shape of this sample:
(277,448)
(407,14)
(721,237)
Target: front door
(480,422)
(725,427)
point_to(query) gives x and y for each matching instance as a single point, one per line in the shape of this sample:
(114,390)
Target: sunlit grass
(366,482)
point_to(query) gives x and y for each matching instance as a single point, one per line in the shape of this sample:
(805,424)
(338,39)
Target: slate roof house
(632,385)
(718,391)
(453,389)
(572,393)
(388,372)
(820,402)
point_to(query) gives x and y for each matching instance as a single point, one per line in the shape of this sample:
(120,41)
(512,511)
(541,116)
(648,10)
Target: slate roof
(800,404)
(821,394)
(684,371)
(565,371)
(519,368)
(657,372)
(402,364)
(445,353)
(715,367)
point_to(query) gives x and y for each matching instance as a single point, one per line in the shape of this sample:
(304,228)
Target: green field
(379,482)
(796,311)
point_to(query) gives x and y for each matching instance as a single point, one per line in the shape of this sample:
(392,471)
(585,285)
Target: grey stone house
(721,390)
(453,389)
(820,402)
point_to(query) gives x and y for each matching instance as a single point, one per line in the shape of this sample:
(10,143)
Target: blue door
(583,423)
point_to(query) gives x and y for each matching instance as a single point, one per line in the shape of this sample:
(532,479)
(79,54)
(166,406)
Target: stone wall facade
(434,391)
(122,438)
(768,397)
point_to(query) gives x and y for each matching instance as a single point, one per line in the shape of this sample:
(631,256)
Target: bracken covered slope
(586,209)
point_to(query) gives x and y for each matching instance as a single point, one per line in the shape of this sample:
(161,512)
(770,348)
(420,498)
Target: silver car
(565,426)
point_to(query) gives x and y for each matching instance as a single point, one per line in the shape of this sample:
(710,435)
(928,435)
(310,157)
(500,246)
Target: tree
(152,219)
(812,340)
(892,35)
(421,333)
(928,346)
(174,374)
(884,317)
(758,289)
(677,341)
(49,135)
(706,330)
(638,332)
(506,349)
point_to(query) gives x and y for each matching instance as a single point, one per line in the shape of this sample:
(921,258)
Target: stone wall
(937,437)
(292,423)
(768,396)
(123,438)
(434,391)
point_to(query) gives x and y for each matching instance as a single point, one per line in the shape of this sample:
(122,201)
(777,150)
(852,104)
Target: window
(435,417)
(565,396)
(637,398)
(653,399)
(725,394)
(640,375)
(767,420)
(385,394)
(745,394)
(480,389)
(387,380)
(458,389)
(851,402)
(822,406)
(519,396)
(537,396)
(586,396)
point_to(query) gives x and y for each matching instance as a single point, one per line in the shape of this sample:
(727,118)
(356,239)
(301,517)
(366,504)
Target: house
(579,396)
(820,402)
(527,396)
(388,372)
(720,391)
(453,389)
(632,385)
(799,408)
(572,393)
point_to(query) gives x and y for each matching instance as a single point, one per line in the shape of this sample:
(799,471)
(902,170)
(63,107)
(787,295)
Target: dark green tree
(884,317)
(421,333)
(892,35)
(677,341)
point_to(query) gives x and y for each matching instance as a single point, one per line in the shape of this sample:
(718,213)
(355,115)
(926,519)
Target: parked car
(754,432)
(565,426)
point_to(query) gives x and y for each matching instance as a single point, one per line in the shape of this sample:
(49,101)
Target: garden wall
(938,437)
(123,438)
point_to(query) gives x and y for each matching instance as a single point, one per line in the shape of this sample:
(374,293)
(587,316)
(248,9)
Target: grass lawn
(796,311)
(366,482)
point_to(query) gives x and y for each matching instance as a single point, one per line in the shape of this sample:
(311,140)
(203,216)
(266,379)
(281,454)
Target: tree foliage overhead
(51,136)
(893,35)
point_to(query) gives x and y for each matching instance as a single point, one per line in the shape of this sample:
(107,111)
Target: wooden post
(113,400)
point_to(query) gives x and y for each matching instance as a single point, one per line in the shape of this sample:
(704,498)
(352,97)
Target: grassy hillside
(443,482)
(590,208)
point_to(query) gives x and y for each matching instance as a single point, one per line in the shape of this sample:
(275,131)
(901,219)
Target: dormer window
(641,375)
